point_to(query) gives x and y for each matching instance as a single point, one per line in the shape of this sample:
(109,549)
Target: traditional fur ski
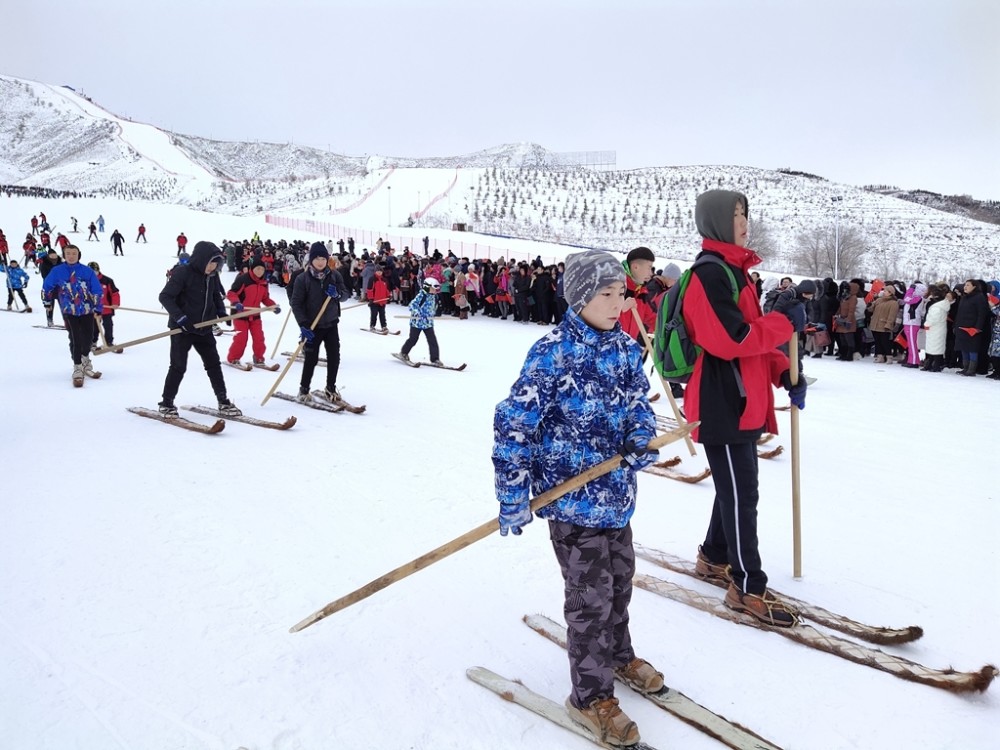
(321,362)
(672,701)
(245,366)
(377,332)
(312,403)
(668,463)
(264,366)
(947,679)
(287,424)
(765,438)
(187,424)
(407,362)
(457,368)
(679,476)
(773,453)
(51,328)
(834,621)
(321,397)
(517,693)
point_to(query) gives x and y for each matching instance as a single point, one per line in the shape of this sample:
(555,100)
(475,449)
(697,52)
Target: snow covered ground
(151,574)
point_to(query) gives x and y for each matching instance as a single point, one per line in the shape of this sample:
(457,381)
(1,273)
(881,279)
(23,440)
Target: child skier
(422,311)
(581,399)
(250,290)
(80,297)
(17,281)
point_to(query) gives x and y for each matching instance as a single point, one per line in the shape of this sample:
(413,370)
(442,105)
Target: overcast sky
(876,91)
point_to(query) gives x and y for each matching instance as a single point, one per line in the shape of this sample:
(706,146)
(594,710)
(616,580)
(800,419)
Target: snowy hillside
(50,136)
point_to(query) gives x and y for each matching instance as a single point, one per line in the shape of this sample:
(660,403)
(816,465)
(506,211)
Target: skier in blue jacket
(580,400)
(17,281)
(80,297)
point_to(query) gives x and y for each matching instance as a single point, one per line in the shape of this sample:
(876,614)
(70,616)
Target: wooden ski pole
(298,350)
(278,340)
(174,331)
(793,373)
(481,532)
(666,387)
(100,330)
(137,309)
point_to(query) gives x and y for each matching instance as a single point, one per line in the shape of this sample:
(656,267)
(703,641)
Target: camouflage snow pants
(597,567)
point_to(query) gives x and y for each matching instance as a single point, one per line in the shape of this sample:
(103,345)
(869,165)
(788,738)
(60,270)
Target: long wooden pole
(298,349)
(278,340)
(666,388)
(138,309)
(793,372)
(174,331)
(480,532)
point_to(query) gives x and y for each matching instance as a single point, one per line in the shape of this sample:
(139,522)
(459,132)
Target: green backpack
(674,353)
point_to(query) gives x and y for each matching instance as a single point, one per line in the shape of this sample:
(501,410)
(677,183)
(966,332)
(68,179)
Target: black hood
(203,254)
(713,214)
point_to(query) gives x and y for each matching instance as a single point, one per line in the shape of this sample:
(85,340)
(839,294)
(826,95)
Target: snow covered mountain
(53,137)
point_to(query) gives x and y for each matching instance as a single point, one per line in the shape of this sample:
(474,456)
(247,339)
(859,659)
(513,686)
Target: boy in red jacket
(250,290)
(730,392)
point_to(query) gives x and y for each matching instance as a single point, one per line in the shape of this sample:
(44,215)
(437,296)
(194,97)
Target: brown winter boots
(765,607)
(639,675)
(606,721)
(717,573)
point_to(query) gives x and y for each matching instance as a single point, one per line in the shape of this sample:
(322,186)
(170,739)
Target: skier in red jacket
(250,290)
(638,267)
(182,242)
(142,233)
(730,392)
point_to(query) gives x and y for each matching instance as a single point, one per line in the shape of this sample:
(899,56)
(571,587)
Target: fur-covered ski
(321,362)
(377,332)
(672,701)
(321,397)
(51,328)
(245,366)
(407,362)
(264,366)
(20,312)
(679,476)
(517,693)
(773,453)
(312,403)
(832,620)
(288,423)
(869,656)
(187,424)
(457,368)
(765,438)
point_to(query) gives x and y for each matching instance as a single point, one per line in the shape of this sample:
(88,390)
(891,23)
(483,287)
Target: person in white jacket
(936,325)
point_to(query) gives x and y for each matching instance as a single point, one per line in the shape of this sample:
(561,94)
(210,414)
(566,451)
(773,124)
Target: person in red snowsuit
(62,240)
(182,242)
(34,224)
(4,247)
(142,233)
(730,392)
(45,240)
(250,290)
(29,247)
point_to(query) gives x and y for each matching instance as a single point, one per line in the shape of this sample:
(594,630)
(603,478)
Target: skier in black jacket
(312,288)
(194,294)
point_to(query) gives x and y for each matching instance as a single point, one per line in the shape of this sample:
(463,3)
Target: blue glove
(277,309)
(307,334)
(185,325)
(635,456)
(514,517)
(332,292)
(238,307)
(797,392)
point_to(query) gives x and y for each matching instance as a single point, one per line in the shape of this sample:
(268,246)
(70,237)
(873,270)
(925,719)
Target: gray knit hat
(588,272)
(672,271)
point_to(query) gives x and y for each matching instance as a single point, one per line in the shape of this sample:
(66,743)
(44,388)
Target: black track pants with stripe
(732,530)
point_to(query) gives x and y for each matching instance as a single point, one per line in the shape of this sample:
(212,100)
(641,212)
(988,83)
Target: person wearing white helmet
(422,311)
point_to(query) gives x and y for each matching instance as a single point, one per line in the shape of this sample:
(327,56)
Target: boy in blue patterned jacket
(422,311)
(581,399)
